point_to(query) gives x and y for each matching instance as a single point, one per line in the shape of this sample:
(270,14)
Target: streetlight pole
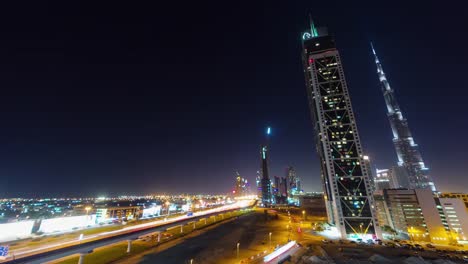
(87,208)
(238,244)
(270,238)
(168,204)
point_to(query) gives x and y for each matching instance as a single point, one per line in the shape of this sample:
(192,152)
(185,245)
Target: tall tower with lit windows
(348,197)
(409,157)
(267,197)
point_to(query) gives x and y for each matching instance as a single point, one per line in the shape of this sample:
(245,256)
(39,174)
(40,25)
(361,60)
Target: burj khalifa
(409,157)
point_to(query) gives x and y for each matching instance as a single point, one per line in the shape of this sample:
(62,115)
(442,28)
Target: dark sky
(125,98)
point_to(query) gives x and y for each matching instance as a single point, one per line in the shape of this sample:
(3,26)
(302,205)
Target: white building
(456,217)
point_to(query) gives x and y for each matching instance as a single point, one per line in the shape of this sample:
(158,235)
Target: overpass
(83,248)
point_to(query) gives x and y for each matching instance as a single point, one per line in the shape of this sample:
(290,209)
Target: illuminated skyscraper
(293,181)
(267,197)
(258,181)
(407,151)
(348,197)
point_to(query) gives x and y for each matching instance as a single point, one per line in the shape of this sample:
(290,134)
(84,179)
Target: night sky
(124,98)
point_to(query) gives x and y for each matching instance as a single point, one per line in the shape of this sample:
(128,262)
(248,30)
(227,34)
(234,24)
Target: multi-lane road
(57,250)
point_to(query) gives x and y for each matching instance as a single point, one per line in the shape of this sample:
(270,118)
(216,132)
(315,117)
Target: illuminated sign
(306,36)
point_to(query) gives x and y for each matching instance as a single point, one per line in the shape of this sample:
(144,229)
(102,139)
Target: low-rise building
(414,214)
(456,218)
(461,196)
(118,213)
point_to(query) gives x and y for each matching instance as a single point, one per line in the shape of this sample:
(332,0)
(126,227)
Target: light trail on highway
(27,252)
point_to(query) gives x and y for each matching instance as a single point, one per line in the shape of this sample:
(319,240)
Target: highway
(86,245)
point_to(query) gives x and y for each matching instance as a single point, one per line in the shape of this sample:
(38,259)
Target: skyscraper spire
(407,151)
(313,30)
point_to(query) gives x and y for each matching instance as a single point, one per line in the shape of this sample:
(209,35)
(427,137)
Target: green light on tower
(313,29)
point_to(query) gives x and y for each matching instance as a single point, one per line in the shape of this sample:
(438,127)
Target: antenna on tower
(372,47)
(313,30)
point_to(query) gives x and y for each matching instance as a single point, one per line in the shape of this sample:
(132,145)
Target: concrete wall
(17,230)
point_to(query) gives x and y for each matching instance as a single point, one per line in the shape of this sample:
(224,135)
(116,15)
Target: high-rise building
(280,190)
(407,151)
(267,197)
(370,171)
(283,189)
(399,177)
(382,179)
(347,190)
(258,181)
(241,187)
(238,187)
(383,216)
(294,182)
(276,186)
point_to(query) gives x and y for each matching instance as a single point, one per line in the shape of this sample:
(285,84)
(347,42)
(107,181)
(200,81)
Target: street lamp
(167,204)
(87,208)
(360,227)
(238,244)
(303,214)
(191,261)
(270,238)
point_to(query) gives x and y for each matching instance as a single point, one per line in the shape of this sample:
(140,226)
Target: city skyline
(93,109)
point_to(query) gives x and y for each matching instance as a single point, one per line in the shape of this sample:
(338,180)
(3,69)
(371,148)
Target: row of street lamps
(269,236)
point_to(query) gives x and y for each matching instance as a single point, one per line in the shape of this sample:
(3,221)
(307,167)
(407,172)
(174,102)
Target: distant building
(119,213)
(151,211)
(398,177)
(241,187)
(294,182)
(314,203)
(283,189)
(280,190)
(276,185)
(382,179)
(267,197)
(258,181)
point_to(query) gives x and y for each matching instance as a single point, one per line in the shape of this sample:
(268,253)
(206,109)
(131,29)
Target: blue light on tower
(268,130)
